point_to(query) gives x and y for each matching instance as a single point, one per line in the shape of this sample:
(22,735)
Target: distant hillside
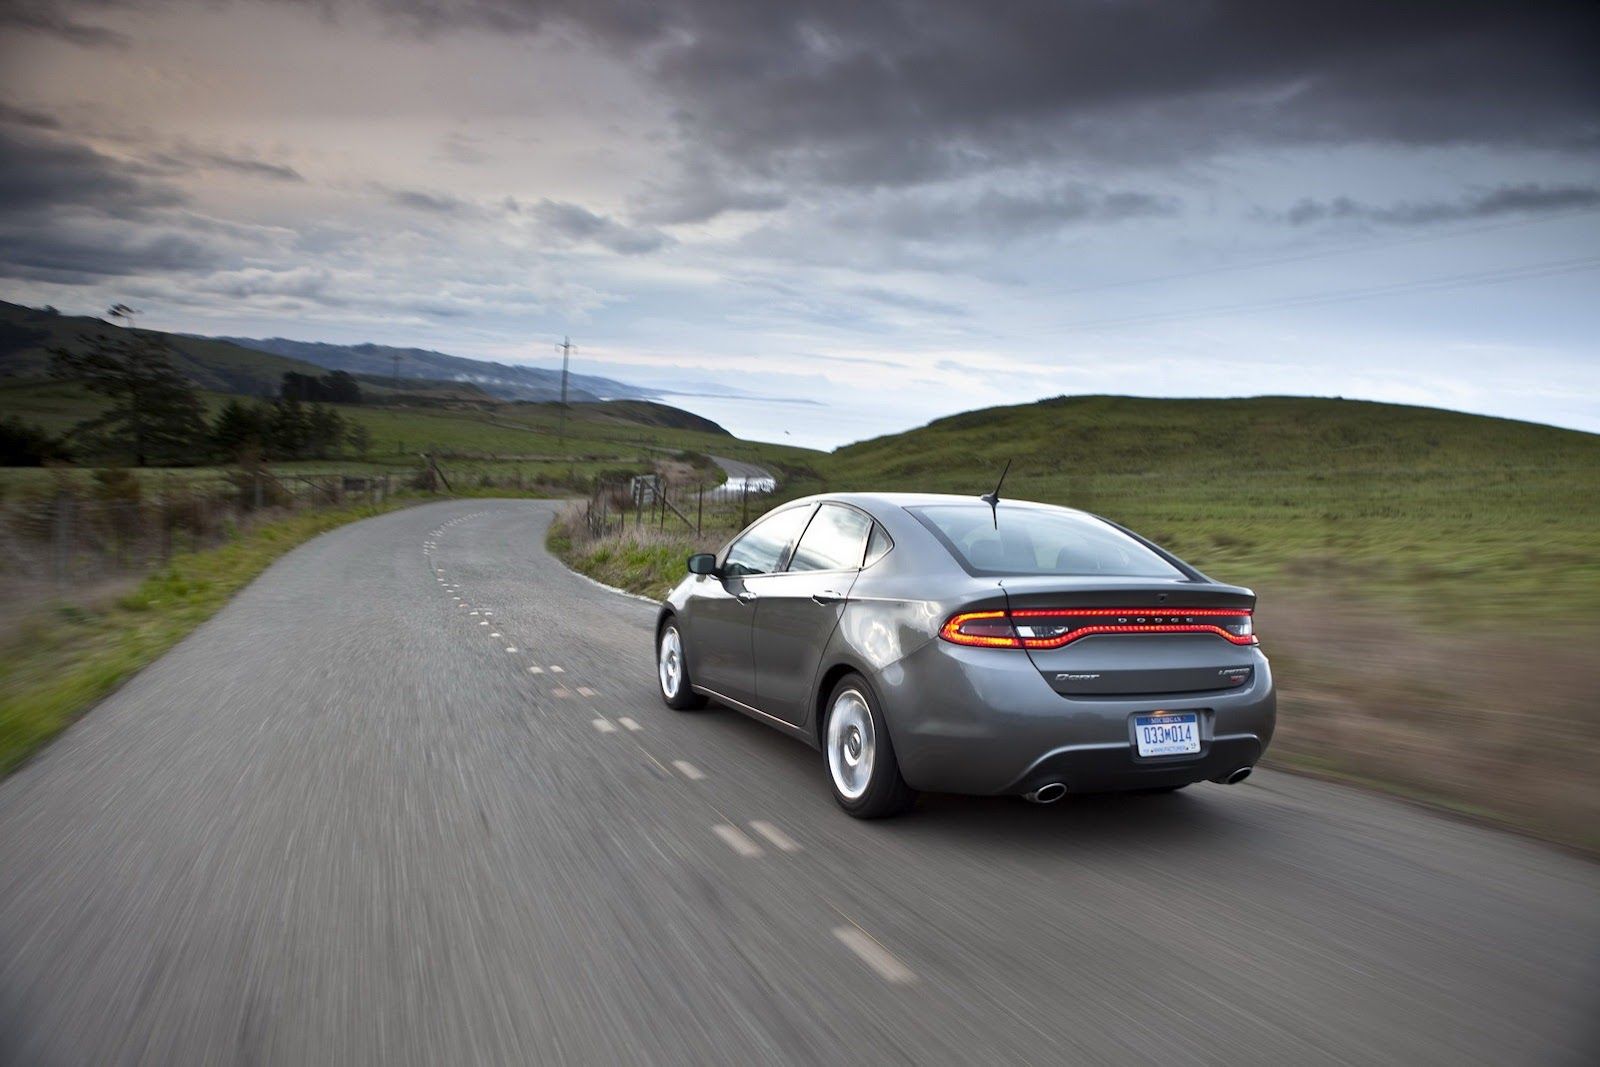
(499,379)
(1444,507)
(27,334)
(650,413)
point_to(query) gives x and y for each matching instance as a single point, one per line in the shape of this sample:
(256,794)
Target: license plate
(1167,735)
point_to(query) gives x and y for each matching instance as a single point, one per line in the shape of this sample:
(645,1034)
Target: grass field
(1467,520)
(473,437)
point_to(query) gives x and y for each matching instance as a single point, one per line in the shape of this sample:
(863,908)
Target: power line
(1492,277)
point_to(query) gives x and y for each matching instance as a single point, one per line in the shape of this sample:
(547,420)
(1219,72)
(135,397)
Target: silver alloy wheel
(670,662)
(852,744)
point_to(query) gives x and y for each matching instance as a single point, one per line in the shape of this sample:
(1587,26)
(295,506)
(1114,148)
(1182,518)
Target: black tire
(682,696)
(885,792)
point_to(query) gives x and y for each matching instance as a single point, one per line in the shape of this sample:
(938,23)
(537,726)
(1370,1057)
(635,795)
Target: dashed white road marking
(780,840)
(605,726)
(735,839)
(511,648)
(483,622)
(494,635)
(688,770)
(475,613)
(874,955)
(629,724)
(561,694)
(556,670)
(585,691)
(535,670)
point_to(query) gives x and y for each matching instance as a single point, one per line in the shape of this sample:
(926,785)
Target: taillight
(1045,628)
(988,629)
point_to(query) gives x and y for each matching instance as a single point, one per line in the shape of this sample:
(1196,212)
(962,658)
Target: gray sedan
(955,644)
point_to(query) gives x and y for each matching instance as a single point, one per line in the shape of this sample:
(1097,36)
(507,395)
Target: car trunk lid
(1134,636)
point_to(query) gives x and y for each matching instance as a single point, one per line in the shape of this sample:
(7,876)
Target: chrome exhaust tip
(1237,776)
(1047,794)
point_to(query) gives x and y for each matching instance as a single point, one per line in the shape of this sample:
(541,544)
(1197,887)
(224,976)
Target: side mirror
(702,563)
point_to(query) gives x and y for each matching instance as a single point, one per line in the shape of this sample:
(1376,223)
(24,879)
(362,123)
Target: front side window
(763,546)
(1040,541)
(834,541)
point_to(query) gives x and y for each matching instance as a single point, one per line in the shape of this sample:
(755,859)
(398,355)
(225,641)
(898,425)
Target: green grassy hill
(28,334)
(1450,511)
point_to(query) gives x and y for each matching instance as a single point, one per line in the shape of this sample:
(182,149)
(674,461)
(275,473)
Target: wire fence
(84,527)
(658,502)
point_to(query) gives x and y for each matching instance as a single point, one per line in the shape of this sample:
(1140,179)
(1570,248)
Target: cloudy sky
(893,210)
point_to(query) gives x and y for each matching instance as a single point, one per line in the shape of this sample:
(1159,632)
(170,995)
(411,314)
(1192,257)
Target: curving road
(350,821)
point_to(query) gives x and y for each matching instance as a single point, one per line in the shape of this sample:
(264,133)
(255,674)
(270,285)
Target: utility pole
(565,348)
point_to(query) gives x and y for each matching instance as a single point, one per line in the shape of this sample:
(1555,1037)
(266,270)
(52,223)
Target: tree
(288,429)
(324,431)
(155,412)
(339,387)
(240,429)
(23,444)
(360,438)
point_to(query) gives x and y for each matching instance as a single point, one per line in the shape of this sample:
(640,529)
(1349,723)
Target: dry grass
(1497,726)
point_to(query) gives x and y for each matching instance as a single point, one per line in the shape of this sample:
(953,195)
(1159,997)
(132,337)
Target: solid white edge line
(874,955)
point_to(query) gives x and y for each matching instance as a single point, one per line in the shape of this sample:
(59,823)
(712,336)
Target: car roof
(916,500)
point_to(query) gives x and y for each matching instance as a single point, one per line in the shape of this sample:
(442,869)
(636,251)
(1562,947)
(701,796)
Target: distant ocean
(796,422)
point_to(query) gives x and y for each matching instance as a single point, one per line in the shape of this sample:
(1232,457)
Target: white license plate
(1167,735)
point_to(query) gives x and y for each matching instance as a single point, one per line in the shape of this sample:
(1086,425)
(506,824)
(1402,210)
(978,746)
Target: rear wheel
(862,769)
(673,671)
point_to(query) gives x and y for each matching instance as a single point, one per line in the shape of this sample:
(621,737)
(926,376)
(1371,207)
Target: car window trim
(877,527)
(783,560)
(871,522)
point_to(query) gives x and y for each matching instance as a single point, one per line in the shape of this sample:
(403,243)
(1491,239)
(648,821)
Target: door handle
(745,596)
(827,596)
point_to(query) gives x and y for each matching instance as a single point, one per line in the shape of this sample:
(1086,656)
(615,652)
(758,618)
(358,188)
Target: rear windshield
(1040,541)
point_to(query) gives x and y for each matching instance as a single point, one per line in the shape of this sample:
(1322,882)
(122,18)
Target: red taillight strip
(1033,613)
(1148,628)
(951,631)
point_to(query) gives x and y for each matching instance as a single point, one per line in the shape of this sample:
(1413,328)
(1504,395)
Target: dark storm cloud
(36,120)
(863,94)
(992,216)
(1494,203)
(73,215)
(42,173)
(573,224)
(41,16)
(433,203)
(187,157)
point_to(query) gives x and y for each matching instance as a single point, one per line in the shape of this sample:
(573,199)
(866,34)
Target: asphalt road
(741,474)
(350,821)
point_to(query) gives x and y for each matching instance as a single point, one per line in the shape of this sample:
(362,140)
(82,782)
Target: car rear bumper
(977,720)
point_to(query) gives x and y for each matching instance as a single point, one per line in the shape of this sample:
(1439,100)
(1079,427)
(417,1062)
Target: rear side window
(762,548)
(834,541)
(878,545)
(1040,541)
